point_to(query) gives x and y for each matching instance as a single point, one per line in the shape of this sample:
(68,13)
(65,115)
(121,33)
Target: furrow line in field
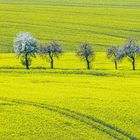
(73,4)
(93,122)
(72,30)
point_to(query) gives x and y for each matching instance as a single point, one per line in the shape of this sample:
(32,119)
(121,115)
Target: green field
(69,102)
(103,23)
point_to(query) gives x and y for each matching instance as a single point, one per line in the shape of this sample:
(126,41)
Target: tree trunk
(116,66)
(26,61)
(51,60)
(52,63)
(88,64)
(133,63)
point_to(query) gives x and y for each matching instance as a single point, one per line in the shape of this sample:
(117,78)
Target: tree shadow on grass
(67,71)
(7,104)
(20,68)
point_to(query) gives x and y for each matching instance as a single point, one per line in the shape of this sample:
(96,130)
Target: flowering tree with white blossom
(25,47)
(116,53)
(51,51)
(86,53)
(131,50)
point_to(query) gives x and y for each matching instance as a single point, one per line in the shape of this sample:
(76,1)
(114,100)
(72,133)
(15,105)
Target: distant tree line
(26,47)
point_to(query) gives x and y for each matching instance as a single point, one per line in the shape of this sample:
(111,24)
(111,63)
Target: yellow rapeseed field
(69,102)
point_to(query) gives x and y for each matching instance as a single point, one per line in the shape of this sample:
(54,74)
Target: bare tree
(86,53)
(131,50)
(51,51)
(115,53)
(25,47)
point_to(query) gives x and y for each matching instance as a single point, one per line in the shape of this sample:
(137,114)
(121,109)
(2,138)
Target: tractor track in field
(93,122)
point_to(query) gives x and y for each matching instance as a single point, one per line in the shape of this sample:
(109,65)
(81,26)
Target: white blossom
(25,43)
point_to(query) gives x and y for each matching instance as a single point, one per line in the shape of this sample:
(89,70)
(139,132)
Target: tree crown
(53,48)
(115,52)
(131,48)
(25,43)
(86,51)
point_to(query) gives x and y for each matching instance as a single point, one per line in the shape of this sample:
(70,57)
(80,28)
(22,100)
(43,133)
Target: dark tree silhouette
(86,53)
(51,51)
(115,53)
(131,50)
